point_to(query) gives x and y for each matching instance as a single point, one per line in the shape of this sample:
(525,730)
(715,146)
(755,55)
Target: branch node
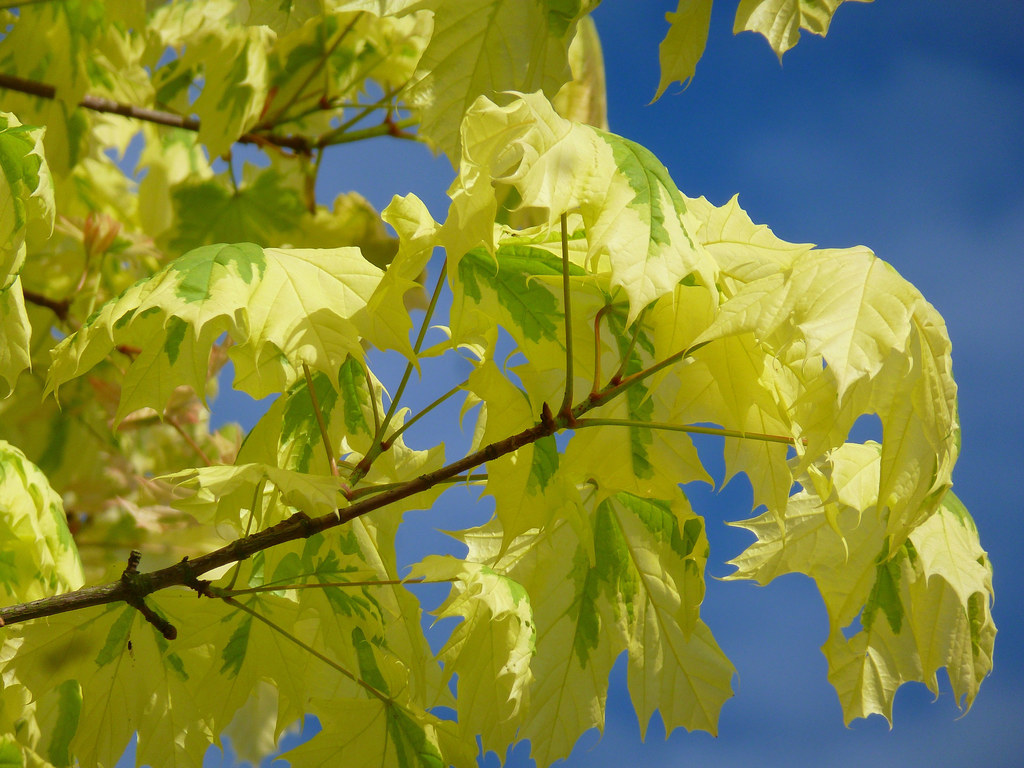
(305,522)
(201,586)
(138,586)
(547,419)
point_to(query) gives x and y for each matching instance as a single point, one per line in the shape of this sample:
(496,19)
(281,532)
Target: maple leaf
(283,308)
(780,21)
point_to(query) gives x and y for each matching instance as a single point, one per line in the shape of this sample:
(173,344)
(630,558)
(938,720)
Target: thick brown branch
(99,104)
(298,526)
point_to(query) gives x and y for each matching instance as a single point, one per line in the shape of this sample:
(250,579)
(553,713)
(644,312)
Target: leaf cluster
(601,317)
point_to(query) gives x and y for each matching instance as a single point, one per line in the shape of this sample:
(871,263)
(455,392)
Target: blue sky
(902,131)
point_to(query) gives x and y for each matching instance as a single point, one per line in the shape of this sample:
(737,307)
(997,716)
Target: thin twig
(369,490)
(394,128)
(108,106)
(300,526)
(313,72)
(188,439)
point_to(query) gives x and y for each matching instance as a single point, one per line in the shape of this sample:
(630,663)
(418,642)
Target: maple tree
(605,317)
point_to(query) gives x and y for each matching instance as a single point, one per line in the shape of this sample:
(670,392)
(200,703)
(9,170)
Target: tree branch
(301,526)
(58,307)
(299,144)
(298,526)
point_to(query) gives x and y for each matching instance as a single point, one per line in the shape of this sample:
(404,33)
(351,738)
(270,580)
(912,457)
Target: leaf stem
(364,110)
(426,409)
(379,443)
(320,423)
(306,647)
(257,498)
(373,401)
(690,428)
(188,439)
(595,386)
(317,68)
(324,584)
(628,353)
(565,409)
(386,128)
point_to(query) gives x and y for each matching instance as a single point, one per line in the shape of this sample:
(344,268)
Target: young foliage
(603,318)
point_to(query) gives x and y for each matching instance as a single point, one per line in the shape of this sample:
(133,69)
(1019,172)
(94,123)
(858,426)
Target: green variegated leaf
(38,557)
(780,21)
(632,581)
(262,209)
(288,434)
(495,641)
(635,219)
(485,47)
(528,306)
(283,308)
(372,733)
(26,205)
(235,81)
(922,606)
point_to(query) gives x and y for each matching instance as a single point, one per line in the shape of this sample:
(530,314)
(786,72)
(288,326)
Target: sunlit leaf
(38,557)
(901,598)
(780,21)
(283,308)
(484,47)
(636,221)
(495,641)
(684,43)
